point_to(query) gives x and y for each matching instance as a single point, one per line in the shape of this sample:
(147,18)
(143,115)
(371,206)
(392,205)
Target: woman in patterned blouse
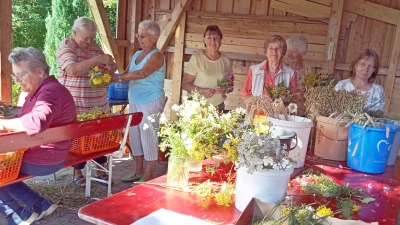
(363,72)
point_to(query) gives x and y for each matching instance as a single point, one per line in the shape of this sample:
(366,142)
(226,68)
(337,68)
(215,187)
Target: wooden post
(394,59)
(168,31)
(5,46)
(121,30)
(178,65)
(333,35)
(100,17)
(133,23)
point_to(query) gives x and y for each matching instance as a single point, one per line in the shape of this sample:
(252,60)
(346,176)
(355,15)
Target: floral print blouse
(376,95)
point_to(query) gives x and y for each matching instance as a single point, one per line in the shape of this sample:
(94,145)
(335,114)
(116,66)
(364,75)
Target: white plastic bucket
(268,186)
(301,126)
(331,142)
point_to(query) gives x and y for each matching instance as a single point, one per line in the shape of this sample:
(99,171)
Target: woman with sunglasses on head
(206,67)
(146,74)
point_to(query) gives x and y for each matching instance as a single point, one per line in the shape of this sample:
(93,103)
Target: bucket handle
(319,130)
(295,137)
(354,136)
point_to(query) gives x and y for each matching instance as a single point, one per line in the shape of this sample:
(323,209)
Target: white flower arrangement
(257,149)
(198,130)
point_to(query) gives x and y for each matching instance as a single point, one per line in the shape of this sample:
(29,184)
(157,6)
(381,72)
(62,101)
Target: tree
(59,26)
(28,24)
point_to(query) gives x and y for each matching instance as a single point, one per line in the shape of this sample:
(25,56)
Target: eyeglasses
(19,76)
(142,36)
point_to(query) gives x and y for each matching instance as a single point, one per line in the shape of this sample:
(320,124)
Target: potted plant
(263,166)
(322,104)
(195,135)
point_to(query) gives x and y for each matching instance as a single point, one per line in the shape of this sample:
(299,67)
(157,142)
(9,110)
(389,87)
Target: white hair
(83,24)
(300,42)
(151,26)
(33,56)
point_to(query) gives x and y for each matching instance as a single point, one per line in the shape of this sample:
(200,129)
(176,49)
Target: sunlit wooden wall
(337,30)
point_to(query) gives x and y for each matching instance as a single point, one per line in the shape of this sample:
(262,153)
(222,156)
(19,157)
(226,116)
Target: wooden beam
(133,24)
(121,29)
(168,31)
(104,28)
(394,59)
(372,10)
(177,73)
(5,49)
(332,39)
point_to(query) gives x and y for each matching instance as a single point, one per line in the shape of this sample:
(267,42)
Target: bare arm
(155,62)
(187,85)
(80,68)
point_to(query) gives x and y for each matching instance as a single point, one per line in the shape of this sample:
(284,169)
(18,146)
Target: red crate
(10,164)
(96,142)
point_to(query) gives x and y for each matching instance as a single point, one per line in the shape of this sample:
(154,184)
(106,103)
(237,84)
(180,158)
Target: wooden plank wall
(247,23)
(5,49)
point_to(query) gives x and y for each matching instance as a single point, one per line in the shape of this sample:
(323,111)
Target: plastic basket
(96,142)
(10,164)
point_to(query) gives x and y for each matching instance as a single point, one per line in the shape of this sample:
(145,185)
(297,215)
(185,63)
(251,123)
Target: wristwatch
(119,79)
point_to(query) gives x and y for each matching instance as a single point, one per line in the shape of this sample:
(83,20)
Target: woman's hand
(219,89)
(105,59)
(207,92)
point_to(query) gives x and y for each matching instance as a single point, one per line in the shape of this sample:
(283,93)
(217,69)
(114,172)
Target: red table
(139,201)
(134,203)
(385,188)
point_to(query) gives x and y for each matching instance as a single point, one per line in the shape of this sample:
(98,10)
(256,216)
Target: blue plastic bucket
(369,148)
(118,90)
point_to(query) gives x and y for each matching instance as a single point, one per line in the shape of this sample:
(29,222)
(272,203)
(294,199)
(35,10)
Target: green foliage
(111,10)
(323,185)
(28,22)
(16,90)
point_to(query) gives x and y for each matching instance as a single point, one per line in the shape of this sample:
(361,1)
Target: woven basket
(96,142)
(10,164)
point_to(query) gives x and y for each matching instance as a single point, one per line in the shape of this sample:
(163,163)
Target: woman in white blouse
(363,72)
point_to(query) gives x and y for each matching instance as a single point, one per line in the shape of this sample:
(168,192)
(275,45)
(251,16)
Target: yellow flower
(96,68)
(356,208)
(323,211)
(97,80)
(285,211)
(107,78)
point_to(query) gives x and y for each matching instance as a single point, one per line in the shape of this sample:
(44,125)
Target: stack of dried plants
(325,101)
(257,105)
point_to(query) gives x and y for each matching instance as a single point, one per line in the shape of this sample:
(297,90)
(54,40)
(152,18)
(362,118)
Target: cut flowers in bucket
(198,130)
(257,149)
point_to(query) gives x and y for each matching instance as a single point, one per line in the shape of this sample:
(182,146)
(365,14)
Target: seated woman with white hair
(47,103)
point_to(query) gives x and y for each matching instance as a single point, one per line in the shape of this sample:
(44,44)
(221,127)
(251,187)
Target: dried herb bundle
(265,105)
(325,101)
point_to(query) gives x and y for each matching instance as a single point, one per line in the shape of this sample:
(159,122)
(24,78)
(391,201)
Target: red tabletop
(134,203)
(385,188)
